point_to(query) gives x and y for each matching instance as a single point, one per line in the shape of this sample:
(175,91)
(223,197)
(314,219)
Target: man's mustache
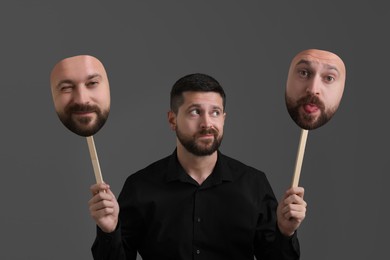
(81,108)
(311,99)
(208,131)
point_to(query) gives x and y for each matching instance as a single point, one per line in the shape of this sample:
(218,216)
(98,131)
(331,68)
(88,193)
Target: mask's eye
(304,73)
(66,88)
(329,79)
(92,83)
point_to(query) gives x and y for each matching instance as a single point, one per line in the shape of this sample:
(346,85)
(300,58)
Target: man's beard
(306,120)
(80,125)
(191,145)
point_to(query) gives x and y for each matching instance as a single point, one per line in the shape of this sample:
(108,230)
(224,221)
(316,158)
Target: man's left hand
(291,211)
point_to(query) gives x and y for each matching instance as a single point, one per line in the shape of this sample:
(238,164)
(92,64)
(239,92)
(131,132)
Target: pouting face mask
(315,85)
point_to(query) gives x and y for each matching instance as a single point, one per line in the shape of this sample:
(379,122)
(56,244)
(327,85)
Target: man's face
(81,94)
(199,122)
(315,86)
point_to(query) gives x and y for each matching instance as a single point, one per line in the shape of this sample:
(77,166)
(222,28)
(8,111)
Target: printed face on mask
(315,86)
(81,94)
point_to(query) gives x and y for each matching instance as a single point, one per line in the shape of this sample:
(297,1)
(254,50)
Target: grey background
(45,170)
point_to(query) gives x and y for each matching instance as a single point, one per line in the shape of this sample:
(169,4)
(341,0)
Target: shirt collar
(221,171)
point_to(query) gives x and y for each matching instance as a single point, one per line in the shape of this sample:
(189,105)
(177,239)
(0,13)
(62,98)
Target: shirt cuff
(291,242)
(108,237)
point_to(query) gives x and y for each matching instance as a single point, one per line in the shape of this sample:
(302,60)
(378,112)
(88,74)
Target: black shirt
(165,214)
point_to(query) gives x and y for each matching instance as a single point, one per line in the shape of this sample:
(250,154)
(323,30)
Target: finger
(101,209)
(292,210)
(300,191)
(295,217)
(298,213)
(295,214)
(101,196)
(294,199)
(96,188)
(102,213)
(101,205)
(295,205)
(110,192)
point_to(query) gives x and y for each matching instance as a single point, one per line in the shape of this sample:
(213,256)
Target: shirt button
(198,219)
(197,251)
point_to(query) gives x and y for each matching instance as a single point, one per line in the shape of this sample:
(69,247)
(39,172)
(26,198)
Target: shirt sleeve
(280,247)
(289,245)
(122,243)
(109,246)
(275,245)
(270,243)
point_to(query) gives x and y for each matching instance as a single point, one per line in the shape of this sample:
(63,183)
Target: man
(81,94)
(197,202)
(315,86)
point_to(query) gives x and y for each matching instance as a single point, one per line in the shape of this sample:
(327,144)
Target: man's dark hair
(194,82)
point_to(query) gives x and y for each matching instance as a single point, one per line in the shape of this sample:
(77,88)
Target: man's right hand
(104,207)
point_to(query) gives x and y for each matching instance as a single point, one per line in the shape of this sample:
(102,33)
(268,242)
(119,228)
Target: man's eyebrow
(304,62)
(328,66)
(331,67)
(95,75)
(196,105)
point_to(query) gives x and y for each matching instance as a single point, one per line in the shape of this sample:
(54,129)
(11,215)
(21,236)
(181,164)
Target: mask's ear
(172,120)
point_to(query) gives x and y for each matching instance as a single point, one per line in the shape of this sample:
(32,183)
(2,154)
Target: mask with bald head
(81,94)
(315,86)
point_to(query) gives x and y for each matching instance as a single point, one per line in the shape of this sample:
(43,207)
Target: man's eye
(215,113)
(66,88)
(92,83)
(329,79)
(195,112)
(304,73)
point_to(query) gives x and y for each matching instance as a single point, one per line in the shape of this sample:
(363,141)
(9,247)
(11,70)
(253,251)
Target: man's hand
(291,211)
(104,207)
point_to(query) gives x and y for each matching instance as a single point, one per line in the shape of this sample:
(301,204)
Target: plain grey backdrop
(46,172)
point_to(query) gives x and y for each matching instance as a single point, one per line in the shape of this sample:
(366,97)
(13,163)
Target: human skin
(199,120)
(315,86)
(81,93)
(198,124)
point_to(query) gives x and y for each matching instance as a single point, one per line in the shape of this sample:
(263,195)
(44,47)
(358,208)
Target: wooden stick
(298,163)
(94,159)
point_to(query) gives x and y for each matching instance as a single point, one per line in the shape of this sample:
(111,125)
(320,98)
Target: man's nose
(206,121)
(313,86)
(81,95)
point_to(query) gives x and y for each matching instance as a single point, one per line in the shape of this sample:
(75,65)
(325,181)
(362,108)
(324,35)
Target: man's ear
(172,120)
